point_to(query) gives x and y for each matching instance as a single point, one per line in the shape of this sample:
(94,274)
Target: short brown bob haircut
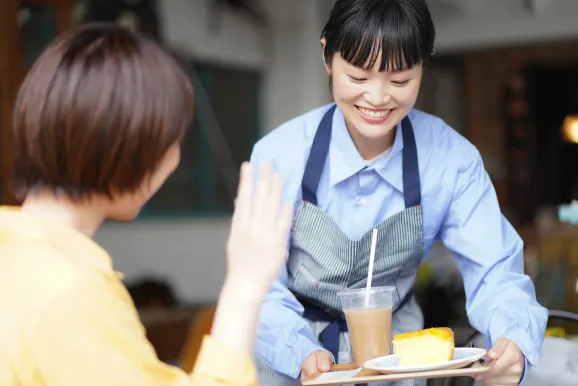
(97,113)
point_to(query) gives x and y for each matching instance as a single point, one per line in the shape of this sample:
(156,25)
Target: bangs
(382,28)
(399,50)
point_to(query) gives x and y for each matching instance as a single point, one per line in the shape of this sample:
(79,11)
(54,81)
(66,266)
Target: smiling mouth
(371,113)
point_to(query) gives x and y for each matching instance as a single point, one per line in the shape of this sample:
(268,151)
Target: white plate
(463,356)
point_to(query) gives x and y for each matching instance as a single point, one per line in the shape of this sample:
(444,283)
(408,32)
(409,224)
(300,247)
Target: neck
(369,148)
(83,217)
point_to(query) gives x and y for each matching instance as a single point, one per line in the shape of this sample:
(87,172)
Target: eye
(400,83)
(356,80)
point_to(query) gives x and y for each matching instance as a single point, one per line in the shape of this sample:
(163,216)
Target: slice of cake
(433,345)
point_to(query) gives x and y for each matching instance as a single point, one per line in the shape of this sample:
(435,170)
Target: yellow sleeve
(92,336)
(219,364)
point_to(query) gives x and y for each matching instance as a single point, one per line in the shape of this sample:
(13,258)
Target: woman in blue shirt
(371,160)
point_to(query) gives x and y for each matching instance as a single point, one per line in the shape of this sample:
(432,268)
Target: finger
(497,370)
(263,190)
(309,366)
(285,220)
(499,348)
(243,202)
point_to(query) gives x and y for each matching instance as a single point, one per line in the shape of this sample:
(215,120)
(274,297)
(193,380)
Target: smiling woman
(372,161)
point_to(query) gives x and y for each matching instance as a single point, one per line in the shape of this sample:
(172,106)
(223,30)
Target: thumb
(309,366)
(499,348)
(323,361)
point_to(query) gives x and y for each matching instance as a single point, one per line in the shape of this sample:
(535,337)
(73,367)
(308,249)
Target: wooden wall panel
(13,71)
(10,75)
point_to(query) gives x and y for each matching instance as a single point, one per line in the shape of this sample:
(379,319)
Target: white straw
(371,260)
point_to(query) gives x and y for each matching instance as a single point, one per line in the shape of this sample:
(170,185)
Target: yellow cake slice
(432,345)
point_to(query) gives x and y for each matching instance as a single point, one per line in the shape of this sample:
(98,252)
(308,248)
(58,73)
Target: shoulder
(441,145)
(41,274)
(286,149)
(36,268)
(448,161)
(290,138)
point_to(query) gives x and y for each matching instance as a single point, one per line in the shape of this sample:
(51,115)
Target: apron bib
(323,260)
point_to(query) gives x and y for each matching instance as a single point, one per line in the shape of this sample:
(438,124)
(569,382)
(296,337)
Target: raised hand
(256,250)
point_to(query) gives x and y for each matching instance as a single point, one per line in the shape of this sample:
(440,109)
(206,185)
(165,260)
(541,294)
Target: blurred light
(570,128)
(568,213)
(129,20)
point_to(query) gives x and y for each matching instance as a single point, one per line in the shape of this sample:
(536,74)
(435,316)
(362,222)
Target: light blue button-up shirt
(460,208)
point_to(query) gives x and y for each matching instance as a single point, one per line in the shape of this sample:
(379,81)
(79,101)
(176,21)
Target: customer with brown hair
(97,127)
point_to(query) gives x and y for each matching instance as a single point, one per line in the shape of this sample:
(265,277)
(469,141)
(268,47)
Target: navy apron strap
(411,182)
(317,158)
(329,337)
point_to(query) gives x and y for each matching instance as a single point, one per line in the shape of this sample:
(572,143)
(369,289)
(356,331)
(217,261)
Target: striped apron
(323,260)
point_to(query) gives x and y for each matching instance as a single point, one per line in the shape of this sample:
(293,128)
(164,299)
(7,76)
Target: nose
(377,94)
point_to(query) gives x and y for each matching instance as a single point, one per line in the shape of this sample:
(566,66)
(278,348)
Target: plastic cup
(369,318)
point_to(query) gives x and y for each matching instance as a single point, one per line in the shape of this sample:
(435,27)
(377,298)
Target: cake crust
(445,333)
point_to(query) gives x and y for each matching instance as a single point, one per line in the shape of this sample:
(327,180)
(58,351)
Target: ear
(323,42)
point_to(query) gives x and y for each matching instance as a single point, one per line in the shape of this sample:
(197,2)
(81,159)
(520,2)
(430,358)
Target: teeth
(374,113)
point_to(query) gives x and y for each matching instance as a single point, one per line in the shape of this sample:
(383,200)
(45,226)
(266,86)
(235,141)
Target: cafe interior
(505,75)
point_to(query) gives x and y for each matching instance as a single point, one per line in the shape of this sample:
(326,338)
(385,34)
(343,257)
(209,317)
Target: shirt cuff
(224,364)
(290,349)
(524,343)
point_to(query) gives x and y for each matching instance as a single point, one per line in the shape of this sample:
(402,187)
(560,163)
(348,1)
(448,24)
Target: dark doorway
(553,94)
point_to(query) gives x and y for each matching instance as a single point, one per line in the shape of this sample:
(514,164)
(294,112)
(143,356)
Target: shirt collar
(391,168)
(345,161)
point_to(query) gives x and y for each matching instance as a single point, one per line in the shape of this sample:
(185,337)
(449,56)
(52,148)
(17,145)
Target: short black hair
(358,29)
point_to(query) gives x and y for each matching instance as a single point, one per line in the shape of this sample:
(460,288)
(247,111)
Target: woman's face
(373,102)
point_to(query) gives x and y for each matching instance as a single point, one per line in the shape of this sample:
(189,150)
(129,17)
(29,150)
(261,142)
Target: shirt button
(531,358)
(362,201)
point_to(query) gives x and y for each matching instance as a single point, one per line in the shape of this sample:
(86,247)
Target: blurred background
(505,74)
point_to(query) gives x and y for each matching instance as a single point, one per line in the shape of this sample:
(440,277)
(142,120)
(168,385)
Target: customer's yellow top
(66,319)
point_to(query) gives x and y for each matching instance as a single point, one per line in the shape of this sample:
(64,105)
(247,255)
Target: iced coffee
(369,319)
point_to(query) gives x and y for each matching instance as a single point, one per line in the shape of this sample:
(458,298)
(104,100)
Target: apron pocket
(382,279)
(306,285)
(305,280)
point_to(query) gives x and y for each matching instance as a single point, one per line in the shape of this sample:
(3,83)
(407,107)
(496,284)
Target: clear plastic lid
(359,298)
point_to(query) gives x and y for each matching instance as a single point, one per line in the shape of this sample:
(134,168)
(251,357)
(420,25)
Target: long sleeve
(501,300)
(284,338)
(92,336)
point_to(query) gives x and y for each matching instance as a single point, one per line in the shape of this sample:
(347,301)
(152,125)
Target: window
(38,27)
(222,136)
